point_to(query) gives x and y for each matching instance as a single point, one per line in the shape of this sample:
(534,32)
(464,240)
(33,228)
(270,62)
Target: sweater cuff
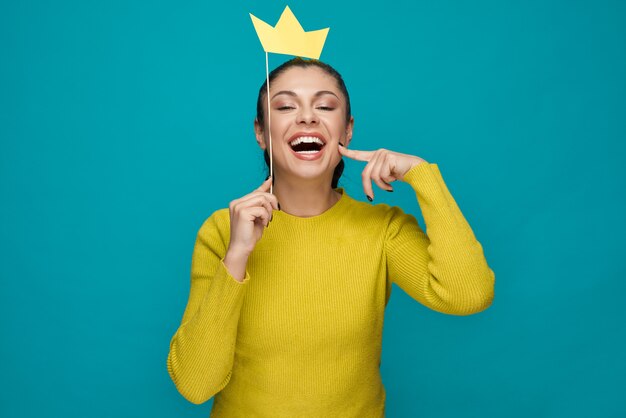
(418,170)
(425,179)
(231,279)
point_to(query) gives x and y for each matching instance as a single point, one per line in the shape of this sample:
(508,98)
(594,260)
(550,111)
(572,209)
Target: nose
(306,116)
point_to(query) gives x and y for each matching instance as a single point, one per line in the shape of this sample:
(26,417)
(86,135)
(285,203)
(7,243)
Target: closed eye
(326,108)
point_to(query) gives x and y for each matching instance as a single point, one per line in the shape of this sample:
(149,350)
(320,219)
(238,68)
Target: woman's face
(306,106)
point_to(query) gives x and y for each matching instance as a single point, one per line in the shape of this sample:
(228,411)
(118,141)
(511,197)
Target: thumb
(265,186)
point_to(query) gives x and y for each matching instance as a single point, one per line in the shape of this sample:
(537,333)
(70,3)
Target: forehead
(303,80)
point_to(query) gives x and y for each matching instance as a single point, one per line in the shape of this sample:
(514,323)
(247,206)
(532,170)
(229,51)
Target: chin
(309,173)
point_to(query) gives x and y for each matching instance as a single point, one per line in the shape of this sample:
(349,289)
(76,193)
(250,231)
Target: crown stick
(287,37)
(269,119)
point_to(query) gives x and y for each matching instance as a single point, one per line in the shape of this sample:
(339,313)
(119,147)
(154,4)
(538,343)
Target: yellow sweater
(301,336)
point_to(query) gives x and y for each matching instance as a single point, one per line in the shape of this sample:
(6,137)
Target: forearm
(448,270)
(202,350)
(236,262)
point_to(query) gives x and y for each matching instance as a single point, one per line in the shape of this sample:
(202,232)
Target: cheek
(279,122)
(337,125)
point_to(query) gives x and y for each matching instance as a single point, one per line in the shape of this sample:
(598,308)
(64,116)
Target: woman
(285,312)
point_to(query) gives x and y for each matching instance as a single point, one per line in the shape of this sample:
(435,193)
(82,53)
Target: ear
(258,132)
(349,128)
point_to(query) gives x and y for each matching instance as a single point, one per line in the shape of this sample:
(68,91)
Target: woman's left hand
(383,167)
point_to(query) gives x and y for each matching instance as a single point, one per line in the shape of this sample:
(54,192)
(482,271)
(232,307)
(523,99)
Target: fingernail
(369,197)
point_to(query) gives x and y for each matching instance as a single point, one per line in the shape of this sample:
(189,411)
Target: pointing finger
(356,155)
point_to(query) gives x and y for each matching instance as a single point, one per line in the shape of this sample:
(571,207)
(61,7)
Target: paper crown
(288,37)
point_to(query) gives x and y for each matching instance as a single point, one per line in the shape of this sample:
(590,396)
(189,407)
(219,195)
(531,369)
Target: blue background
(124,125)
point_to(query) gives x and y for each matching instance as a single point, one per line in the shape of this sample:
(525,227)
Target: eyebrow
(319,93)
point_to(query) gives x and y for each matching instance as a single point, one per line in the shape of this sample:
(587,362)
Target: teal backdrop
(125,124)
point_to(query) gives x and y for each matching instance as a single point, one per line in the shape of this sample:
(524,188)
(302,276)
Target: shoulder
(381,219)
(381,213)
(217,223)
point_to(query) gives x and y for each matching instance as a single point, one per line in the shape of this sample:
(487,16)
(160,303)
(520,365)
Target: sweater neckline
(327,214)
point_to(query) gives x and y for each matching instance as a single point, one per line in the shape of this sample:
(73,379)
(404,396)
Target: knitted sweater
(301,336)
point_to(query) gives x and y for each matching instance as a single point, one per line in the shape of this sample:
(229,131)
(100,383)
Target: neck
(305,199)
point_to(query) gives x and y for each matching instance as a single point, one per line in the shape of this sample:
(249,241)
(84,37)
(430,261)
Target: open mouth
(307,145)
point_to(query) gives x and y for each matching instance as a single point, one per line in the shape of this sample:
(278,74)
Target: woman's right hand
(249,216)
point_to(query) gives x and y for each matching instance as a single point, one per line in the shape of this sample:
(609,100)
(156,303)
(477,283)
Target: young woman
(285,312)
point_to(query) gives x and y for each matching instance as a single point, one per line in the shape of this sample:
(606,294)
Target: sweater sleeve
(202,350)
(445,269)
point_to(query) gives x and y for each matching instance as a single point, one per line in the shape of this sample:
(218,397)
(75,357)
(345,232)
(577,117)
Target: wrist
(236,254)
(235,263)
(236,251)
(419,161)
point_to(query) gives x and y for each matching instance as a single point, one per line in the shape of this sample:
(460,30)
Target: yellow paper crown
(288,37)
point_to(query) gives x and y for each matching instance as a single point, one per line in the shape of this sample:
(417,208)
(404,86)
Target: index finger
(357,155)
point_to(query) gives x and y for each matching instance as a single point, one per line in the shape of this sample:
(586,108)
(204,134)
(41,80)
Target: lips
(307,152)
(314,134)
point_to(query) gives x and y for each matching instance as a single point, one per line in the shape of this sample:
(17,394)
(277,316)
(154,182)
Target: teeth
(307,139)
